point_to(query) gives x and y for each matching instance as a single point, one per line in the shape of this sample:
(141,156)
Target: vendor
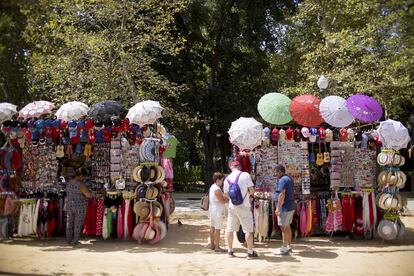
(77,201)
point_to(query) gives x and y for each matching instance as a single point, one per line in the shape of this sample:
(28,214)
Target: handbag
(204,202)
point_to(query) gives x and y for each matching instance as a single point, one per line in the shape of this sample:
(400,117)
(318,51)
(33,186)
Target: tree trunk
(209,142)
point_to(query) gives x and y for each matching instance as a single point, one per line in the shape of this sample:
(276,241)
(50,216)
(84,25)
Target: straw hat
(142,209)
(161,174)
(157,209)
(387,230)
(152,192)
(141,191)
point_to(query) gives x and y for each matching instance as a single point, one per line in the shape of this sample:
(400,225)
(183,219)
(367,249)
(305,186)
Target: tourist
(77,201)
(285,207)
(240,211)
(216,208)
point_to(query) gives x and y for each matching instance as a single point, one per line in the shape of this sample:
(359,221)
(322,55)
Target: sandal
(220,250)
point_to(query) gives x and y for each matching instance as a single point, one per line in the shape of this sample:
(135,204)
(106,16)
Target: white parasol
(72,111)
(393,134)
(146,112)
(246,133)
(7,110)
(335,112)
(36,109)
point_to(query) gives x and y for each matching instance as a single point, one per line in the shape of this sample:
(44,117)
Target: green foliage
(102,49)
(362,46)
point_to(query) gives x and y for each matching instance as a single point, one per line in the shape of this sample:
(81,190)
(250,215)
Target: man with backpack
(238,187)
(285,207)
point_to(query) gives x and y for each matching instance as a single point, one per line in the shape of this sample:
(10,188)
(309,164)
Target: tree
(222,63)
(361,46)
(100,49)
(12,53)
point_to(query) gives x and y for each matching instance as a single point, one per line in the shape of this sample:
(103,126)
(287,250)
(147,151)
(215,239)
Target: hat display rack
(390,180)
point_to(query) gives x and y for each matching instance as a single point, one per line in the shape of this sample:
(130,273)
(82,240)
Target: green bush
(188,180)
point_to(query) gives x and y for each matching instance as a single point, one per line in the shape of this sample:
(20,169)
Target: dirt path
(184,252)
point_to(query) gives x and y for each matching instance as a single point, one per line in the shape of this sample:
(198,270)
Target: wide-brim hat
(152,192)
(153,176)
(161,174)
(382,178)
(401,179)
(135,174)
(160,232)
(141,191)
(148,233)
(387,230)
(157,209)
(142,209)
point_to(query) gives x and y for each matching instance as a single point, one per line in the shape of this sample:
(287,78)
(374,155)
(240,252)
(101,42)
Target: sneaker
(282,251)
(252,255)
(220,250)
(290,249)
(231,254)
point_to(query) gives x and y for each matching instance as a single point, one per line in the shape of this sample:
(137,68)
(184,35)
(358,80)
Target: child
(216,210)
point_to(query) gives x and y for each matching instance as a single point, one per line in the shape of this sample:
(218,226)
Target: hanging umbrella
(246,133)
(305,110)
(146,112)
(36,109)
(334,111)
(105,110)
(364,108)
(7,110)
(393,134)
(274,108)
(72,111)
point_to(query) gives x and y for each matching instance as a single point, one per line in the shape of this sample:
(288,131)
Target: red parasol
(305,110)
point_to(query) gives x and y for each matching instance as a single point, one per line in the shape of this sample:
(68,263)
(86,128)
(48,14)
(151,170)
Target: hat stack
(390,180)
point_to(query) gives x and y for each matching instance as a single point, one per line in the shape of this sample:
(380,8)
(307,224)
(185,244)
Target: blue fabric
(285,183)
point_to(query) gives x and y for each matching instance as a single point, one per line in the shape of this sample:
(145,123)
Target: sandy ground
(184,252)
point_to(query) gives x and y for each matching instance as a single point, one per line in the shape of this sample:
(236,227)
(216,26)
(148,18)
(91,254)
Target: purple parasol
(364,108)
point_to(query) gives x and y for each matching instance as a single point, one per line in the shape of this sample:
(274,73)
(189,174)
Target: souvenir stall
(130,177)
(329,149)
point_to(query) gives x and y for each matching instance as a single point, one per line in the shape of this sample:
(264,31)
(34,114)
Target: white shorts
(217,221)
(240,215)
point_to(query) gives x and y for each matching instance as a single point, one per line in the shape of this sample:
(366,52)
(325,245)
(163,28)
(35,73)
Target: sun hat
(148,233)
(297,135)
(322,133)
(351,135)
(144,173)
(152,192)
(329,135)
(160,174)
(157,209)
(305,132)
(153,173)
(142,209)
(382,178)
(266,133)
(141,191)
(343,135)
(387,230)
(313,134)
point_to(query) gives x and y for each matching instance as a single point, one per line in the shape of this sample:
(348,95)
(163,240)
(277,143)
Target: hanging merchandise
(290,156)
(36,109)
(335,112)
(170,147)
(305,110)
(72,111)
(364,108)
(342,171)
(7,111)
(266,160)
(393,134)
(104,110)
(246,133)
(365,168)
(146,112)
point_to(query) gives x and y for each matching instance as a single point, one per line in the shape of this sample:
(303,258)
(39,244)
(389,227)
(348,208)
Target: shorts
(285,218)
(217,222)
(240,215)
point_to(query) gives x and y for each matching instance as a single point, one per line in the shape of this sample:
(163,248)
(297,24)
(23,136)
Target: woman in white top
(216,208)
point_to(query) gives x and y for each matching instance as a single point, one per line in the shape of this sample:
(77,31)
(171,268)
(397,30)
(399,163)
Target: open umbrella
(105,110)
(274,108)
(7,110)
(146,112)
(246,133)
(364,108)
(335,112)
(393,134)
(72,111)
(36,109)
(305,110)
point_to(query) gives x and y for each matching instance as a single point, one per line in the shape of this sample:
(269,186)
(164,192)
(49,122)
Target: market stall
(330,150)
(129,174)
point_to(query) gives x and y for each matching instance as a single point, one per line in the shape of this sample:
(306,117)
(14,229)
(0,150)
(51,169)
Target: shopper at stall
(217,205)
(77,201)
(239,210)
(285,207)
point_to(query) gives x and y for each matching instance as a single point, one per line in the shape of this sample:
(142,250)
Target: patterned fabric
(74,223)
(99,216)
(75,199)
(334,221)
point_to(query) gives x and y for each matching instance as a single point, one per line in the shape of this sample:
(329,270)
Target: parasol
(105,110)
(364,108)
(146,112)
(72,111)
(7,110)
(246,133)
(393,134)
(274,108)
(36,109)
(335,112)
(305,110)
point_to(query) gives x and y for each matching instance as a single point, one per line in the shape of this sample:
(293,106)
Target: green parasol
(274,108)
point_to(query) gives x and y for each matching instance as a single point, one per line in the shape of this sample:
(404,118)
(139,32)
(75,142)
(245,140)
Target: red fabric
(99,216)
(343,135)
(246,163)
(275,134)
(359,228)
(51,223)
(322,133)
(348,210)
(89,224)
(371,211)
(305,110)
(123,216)
(131,219)
(289,134)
